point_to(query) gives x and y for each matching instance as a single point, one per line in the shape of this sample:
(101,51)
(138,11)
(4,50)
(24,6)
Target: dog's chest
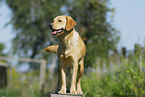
(66,56)
(66,59)
(67,51)
(67,48)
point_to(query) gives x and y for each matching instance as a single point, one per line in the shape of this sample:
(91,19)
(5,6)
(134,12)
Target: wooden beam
(3,64)
(42,75)
(22,59)
(66,95)
(42,68)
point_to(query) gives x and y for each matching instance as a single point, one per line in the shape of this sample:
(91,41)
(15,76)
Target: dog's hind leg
(59,81)
(80,73)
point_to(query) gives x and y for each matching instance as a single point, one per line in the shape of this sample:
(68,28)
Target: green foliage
(2,47)
(9,93)
(22,85)
(123,79)
(35,92)
(127,80)
(94,25)
(20,92)
(30,22)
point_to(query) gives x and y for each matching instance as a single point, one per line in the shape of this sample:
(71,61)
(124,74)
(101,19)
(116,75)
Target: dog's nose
(51,26)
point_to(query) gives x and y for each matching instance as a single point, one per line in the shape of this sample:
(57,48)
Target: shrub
(127,80)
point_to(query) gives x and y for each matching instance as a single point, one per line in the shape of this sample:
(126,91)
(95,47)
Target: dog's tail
(52,49)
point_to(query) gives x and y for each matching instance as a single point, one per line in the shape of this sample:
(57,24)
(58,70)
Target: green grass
(21,92)
(127,80)
(9,93)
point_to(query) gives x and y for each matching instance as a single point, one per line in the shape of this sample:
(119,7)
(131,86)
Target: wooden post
(66,95)
(137,49)
(42,68)
(115,52)
(124,52)
(140,63)
(10,77)
(42,75)
(104,67)
(52,66)
(3,75)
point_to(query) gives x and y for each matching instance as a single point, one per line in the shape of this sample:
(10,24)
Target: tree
(2,47)
(30,22)
(93,22)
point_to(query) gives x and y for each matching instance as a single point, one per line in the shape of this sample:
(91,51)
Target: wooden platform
(66,95)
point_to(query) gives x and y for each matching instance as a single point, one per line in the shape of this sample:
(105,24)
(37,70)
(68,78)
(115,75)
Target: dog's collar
(70,30)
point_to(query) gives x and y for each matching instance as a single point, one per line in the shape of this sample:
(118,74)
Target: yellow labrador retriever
(70,51)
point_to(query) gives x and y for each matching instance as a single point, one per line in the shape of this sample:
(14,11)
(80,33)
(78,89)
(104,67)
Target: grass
(22,92)
(126,79)
(9,93)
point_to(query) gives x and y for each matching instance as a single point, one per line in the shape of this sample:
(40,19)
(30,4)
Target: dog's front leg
(74,76)
(63,78)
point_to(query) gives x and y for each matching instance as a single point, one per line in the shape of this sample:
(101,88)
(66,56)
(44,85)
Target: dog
(70,51)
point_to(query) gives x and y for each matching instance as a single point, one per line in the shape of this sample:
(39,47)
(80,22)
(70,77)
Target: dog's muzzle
(51,26)
(55,31)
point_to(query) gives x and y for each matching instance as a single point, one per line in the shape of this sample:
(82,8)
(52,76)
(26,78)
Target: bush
(127,80)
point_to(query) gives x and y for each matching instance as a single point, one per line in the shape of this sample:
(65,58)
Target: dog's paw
(73,92)
(62,91)
(79,92)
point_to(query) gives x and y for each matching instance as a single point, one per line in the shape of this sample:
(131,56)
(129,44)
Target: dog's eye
(60,20)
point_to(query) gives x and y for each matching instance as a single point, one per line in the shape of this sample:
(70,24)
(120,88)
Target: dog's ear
(70,23)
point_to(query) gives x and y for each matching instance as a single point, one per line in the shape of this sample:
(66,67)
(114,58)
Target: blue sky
(129,19)
(6,34)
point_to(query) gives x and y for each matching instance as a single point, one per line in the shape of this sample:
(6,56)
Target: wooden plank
(3,77)
(22,59)
(42,70)
(42,75)
(66,95)
(3,64)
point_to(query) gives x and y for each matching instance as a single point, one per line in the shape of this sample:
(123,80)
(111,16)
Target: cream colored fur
(70,51)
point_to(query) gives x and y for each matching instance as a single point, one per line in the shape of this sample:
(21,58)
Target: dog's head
(61,24)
